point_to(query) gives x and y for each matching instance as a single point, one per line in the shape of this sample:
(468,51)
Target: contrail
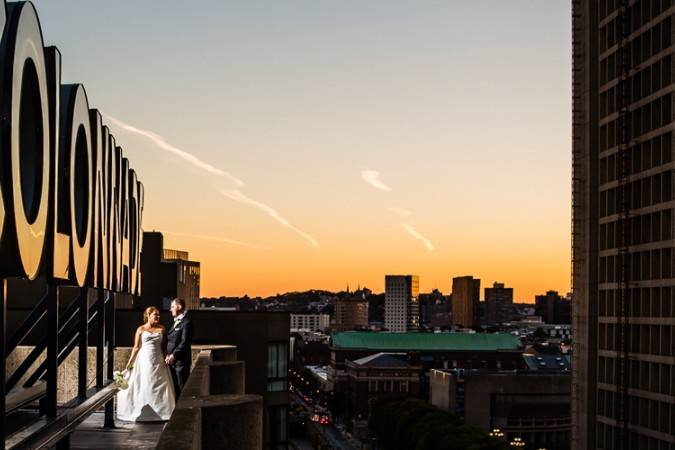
(400,211)
(186,156)
(238,196)
(217,239)
(372,177)
(412,231)
(234,194)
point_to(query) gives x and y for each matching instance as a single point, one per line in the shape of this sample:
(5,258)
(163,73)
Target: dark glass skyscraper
(498,304)
(622,193)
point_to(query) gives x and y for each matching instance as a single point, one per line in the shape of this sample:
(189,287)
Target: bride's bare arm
(137,347)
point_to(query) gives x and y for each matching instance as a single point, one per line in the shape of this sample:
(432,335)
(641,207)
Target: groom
(179,357)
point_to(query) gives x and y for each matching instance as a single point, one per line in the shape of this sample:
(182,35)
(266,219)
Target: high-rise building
(401,303)
(166,274)
(351,313)
(498,303)
(465,297)
(623,311)
(552,308)
(434,310)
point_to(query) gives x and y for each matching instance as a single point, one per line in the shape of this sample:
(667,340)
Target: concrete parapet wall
(67,374)
(66,379)
(214,402)
(231,422)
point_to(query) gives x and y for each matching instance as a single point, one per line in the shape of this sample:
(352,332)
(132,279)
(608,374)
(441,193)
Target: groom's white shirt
(178,318)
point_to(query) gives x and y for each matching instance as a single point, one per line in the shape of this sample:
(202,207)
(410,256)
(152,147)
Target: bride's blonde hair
(146,314)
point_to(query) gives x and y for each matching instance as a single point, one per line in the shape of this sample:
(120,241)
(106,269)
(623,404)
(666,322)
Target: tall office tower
(465,297)
(401,303)
(498,303)
(623,312)
(166,274)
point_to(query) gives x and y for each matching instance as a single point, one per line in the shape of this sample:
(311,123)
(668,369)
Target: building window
(277,366)
(276,428)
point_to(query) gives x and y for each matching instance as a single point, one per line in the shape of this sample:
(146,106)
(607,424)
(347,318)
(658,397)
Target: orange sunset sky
(298,145)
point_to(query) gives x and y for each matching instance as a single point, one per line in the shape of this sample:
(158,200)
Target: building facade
(430,350)
(498,304)
(351,314)
(310,322)
(401,303)
(531,405)
(379,375)
(623,310)
(166,274)
(558,331)
(465,298)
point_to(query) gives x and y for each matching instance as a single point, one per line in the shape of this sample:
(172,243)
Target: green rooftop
(426,341)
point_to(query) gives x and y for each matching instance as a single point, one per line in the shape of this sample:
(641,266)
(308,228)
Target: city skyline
(284,163)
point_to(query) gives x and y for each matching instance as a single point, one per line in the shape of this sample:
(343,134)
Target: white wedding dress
(150,395)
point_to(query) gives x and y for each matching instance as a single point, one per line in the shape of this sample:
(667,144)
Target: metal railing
(65,329)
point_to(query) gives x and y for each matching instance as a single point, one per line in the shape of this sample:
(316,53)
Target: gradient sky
(335,142)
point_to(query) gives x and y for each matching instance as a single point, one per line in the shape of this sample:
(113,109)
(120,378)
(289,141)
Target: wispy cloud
(413,232)
(372,177)
(186,156)
(217,239)
(400,211)
(238,196)
(234,193)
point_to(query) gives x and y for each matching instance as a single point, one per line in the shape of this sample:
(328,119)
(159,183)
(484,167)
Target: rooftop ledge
(213,410)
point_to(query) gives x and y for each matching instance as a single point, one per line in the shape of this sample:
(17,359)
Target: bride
(150,395)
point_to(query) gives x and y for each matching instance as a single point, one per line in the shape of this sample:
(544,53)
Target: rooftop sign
(70,204)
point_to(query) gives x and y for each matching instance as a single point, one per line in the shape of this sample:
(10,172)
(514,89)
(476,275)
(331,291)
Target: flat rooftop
(425,341)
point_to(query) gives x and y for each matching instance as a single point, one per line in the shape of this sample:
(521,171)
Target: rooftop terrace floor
(126,435)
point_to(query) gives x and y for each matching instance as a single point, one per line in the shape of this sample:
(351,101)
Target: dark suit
(179,344)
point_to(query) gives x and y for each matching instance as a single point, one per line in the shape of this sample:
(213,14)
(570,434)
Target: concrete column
(227,378)
(223,353)
(232,422)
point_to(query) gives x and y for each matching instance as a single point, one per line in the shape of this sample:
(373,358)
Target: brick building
(465,298)
(430,350)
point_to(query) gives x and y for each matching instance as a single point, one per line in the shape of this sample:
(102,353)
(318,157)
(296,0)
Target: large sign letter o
(77,148)
(3,20)
(29,134)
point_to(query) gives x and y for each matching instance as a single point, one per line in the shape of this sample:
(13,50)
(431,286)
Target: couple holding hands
(159,366)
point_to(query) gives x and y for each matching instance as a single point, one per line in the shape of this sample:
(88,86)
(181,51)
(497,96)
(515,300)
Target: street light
(517,442)
(497,433)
